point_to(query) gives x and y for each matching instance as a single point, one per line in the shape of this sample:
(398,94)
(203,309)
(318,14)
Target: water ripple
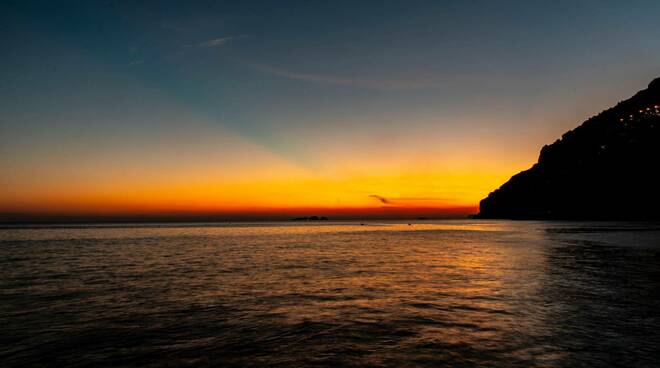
(440,294)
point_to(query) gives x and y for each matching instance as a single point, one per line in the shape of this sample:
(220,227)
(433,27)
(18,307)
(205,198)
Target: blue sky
(318,83)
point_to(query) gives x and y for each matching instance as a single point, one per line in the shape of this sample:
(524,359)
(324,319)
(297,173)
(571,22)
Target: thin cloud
(404,201)
(382,200)
(215,42)
(136,62)
(383,85)
(415,199)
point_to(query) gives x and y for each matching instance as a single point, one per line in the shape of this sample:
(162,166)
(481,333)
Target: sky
(265,108)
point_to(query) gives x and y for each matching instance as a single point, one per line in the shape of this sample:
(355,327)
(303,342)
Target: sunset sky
(344,108)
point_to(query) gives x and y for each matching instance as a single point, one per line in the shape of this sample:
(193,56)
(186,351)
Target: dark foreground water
(455,294)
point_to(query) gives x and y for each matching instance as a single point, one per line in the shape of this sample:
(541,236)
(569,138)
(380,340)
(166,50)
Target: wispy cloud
(404,201)
(215,42)
(136,62)
(382,200)
(375,84)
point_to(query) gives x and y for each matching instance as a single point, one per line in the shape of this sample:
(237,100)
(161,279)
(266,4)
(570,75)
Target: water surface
(382,294)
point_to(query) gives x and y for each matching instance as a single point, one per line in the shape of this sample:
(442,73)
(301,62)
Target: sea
(456,293)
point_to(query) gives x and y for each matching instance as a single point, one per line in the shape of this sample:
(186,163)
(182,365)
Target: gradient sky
(305,107)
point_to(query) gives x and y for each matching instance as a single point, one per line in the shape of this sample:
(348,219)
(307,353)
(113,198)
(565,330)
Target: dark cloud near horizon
(403,200)
(381,199)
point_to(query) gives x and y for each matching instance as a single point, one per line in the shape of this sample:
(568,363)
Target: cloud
(382,200)
(415,199)
(215,42)
(405,201)
(136,62)
(383,85)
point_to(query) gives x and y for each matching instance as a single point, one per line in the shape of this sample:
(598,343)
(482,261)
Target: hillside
(607,168)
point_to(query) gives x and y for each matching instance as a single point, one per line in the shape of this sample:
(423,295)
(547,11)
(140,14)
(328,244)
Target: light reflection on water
(433,293)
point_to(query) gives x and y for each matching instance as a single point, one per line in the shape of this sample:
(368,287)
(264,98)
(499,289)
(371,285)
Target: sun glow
(412,193)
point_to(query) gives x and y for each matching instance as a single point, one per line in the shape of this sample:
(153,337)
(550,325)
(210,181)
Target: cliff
(607,168)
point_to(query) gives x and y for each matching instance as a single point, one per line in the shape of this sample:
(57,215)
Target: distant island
(605,169)
(310,218)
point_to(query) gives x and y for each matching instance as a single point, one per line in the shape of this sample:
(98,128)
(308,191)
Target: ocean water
(381,294)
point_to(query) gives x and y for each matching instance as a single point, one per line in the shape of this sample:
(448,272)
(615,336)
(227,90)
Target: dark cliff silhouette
(607,168)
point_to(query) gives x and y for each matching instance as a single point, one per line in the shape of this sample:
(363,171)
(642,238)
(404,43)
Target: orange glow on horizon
(405,195)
